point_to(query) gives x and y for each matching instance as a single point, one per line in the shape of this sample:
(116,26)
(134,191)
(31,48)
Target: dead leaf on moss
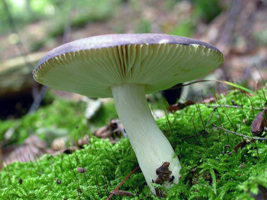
(241,145)
(260,121)
(32,148)
(113,130)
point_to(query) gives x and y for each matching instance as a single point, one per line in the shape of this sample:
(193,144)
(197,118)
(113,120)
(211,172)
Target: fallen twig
(260,108)
(224,106)
(214,109)
(121,193)
(238,134)
(117,188)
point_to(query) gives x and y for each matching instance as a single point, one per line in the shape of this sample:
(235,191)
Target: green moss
(39,179)
(60,114)
(206,172)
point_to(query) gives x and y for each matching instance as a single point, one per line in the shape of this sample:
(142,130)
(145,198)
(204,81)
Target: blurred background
(30,28)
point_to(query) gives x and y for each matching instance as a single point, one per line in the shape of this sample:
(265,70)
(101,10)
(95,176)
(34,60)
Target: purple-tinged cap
(90,66)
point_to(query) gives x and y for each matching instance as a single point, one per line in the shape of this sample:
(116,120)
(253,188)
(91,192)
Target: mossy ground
(206,172)
(62,114)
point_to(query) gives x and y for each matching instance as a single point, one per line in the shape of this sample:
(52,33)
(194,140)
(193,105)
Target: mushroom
(126,67)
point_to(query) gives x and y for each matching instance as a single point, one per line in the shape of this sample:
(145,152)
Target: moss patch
(210,170)
(61,114)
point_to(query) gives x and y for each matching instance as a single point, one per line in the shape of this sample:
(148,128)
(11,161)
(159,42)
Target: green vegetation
(83,11)
(207,173)
(208,9)
(60,114)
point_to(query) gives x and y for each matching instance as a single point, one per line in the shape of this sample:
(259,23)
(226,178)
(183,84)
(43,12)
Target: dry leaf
(258,124)
(31,150)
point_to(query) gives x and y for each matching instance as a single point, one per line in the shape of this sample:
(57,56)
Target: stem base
(150,145)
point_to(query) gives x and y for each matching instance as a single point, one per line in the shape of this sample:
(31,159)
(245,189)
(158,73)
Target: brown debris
(81,170)
(262,193)
(240,145)
(32,148)
(209,100)
(117,188)
(68,150)
(259,123)
(163,173)
(59,144)
(113,131)
(121,193)
(84,141)
(179,106)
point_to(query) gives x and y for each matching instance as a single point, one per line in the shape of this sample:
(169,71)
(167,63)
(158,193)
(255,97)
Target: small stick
(122,193)
(254,138)
(214,109)
(224,106)
(260,108)
(122,182)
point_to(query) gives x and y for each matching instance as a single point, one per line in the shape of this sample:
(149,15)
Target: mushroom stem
(148,142)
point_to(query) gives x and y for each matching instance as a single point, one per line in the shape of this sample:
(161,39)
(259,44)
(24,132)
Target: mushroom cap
(91,66)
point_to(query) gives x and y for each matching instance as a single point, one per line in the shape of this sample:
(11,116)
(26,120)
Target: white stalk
(148,142)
